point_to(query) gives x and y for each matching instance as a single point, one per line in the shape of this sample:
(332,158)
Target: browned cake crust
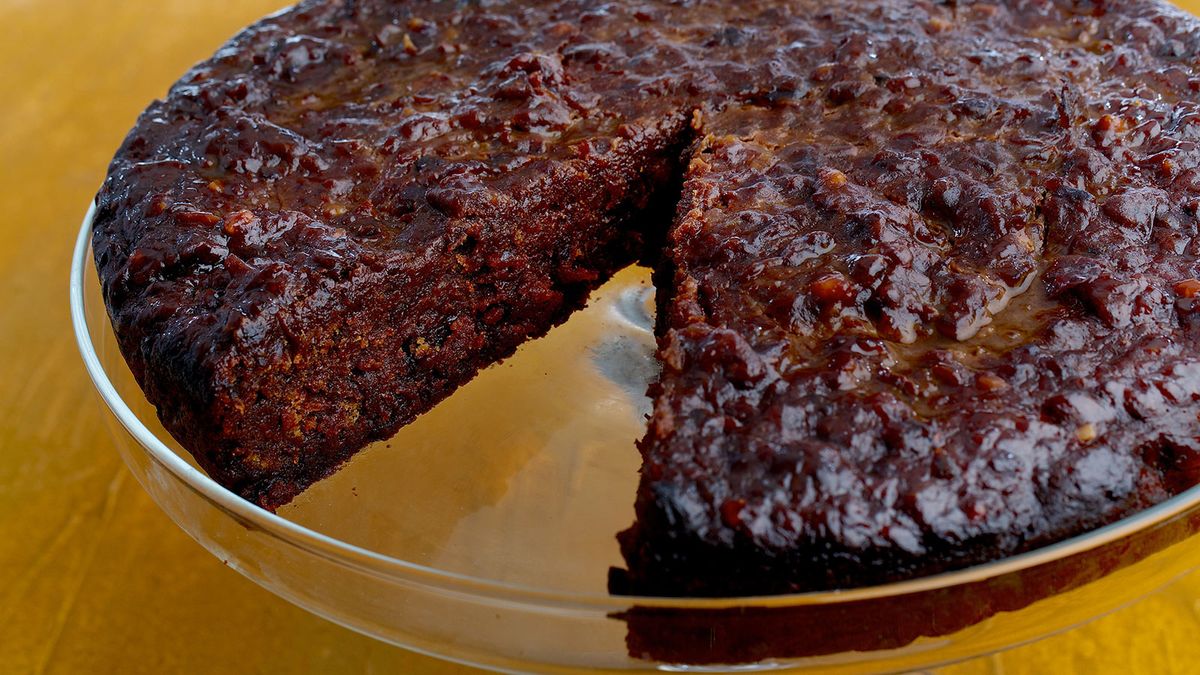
(933,311)
(355,206)
(930,287)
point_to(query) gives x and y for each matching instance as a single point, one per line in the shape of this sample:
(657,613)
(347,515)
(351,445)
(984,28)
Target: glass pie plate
(483,533)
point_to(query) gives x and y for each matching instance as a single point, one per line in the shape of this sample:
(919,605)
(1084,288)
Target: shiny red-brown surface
(933,271)
(350,209)
(934,306)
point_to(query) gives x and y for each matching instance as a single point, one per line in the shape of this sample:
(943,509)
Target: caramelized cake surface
(931,284)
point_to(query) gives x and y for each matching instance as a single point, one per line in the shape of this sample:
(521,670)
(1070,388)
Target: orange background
(93,577)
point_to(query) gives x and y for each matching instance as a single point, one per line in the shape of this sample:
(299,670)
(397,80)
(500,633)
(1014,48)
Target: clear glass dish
(483,532)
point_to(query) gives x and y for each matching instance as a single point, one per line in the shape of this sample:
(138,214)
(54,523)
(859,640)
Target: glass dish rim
(405,572)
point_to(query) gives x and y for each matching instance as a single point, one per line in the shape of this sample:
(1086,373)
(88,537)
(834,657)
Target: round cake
(928,272)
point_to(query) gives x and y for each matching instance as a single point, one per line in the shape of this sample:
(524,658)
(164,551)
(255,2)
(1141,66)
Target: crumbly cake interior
(927,299)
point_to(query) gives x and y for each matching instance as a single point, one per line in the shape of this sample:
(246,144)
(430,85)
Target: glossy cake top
(933,266)
(938,306)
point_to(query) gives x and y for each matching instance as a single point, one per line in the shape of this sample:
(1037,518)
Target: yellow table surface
(93,577)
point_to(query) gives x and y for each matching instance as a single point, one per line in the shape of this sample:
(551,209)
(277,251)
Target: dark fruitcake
(937,308)
(930,296)
(354,206)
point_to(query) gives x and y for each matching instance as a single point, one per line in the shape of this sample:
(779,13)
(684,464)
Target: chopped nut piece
(939,25)
(1086,433)
(833,288)
(1188,288)
(834,179)
(421,347)
(237,221)
(1111,123)
(988,382)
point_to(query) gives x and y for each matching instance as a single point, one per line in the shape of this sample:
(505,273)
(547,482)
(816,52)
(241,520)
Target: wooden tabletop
(93,577)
